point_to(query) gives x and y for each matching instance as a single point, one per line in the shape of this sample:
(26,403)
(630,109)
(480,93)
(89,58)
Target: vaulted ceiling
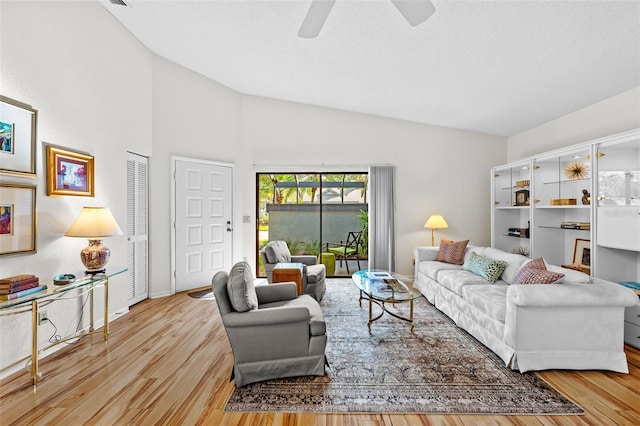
(496,67)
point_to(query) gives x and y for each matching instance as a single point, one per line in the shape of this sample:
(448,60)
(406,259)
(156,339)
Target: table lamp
(94,223)
(435,221)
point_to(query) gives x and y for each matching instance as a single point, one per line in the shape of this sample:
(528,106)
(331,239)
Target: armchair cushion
(317,326)
(242,292)
(277,252)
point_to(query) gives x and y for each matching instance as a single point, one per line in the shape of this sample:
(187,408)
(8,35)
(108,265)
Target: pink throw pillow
(451,251)
(535,272)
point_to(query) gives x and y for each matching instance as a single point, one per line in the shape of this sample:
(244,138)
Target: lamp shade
(436,221)
(94,223)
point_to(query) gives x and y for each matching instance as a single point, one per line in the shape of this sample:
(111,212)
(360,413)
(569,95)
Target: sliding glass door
(315,213)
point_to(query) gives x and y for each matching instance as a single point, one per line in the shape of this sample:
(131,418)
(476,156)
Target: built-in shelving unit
(593,186)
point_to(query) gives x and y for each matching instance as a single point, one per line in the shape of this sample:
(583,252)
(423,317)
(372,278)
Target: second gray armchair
(313,276)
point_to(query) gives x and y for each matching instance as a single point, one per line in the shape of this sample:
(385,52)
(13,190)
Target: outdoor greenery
(363,219)
(304,188)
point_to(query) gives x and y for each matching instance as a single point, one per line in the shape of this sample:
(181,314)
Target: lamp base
(95,256)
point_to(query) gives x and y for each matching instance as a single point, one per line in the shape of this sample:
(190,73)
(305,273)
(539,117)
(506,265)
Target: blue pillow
(488,269)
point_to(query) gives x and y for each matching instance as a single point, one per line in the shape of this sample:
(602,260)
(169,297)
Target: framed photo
(522,197)
(582,254)
(17,218)
(69,173)
(18,124)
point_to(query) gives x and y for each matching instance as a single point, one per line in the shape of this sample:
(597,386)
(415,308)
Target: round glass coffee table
(385,288)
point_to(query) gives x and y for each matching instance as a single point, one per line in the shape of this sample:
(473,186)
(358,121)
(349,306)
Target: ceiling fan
(414,11)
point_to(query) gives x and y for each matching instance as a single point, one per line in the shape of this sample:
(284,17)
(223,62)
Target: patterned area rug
(438,369)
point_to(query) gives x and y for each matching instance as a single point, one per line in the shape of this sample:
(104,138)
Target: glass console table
(33,302)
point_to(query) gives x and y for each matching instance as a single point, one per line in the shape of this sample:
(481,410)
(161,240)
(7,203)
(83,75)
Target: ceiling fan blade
(316,16)
(415,11)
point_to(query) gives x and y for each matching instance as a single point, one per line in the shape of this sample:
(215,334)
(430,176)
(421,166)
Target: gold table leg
(35,374)
(106,309)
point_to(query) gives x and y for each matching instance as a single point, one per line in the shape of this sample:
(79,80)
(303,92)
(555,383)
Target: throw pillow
(535,272)
(488,269)
(451,251)
(242,292)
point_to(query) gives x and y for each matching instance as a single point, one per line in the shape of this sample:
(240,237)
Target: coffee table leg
(370,314)
(411,314)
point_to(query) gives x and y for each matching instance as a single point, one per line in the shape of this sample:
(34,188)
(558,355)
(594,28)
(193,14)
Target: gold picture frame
(69,173)
(18,124)
(582,254)
(18,220)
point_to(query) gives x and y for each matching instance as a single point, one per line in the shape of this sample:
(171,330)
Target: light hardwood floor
(168,362)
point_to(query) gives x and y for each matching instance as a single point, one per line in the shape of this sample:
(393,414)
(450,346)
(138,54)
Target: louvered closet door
(137,229)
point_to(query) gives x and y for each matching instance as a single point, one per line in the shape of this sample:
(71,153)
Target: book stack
(575,225)
(635,286)
(19,286)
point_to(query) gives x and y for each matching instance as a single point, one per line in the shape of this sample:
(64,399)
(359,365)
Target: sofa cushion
(241,289)
(451,251)
(277,252)
(455,280)
(431,268)
(535,272)
(490,299)
(485,267)
(514,262)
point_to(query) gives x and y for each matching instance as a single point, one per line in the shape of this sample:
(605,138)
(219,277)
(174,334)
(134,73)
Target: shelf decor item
(582,254)
(94,223)
(18,124)
(522,197)
(69,173)
(563,201)
(17,218)
(576,170)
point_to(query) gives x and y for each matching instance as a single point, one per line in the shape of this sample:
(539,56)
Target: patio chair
(346,250)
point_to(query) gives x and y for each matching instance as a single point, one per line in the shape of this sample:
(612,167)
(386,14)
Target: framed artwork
(17,218)
(18,124)
(582,254)
(69,173)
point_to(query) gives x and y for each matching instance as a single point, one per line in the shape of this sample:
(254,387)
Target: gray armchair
(285,336)
(313,280)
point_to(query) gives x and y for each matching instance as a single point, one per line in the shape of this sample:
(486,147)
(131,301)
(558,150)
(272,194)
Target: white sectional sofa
(577,323)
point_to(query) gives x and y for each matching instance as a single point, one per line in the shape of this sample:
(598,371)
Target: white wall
(89,79)
(613,115)
(438,170)
(194,117)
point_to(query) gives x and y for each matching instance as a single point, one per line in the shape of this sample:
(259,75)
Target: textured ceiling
(496,67)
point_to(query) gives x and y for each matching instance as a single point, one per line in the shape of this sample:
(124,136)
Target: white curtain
(382,222)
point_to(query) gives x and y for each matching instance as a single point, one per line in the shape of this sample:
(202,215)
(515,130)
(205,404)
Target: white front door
(203,207)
